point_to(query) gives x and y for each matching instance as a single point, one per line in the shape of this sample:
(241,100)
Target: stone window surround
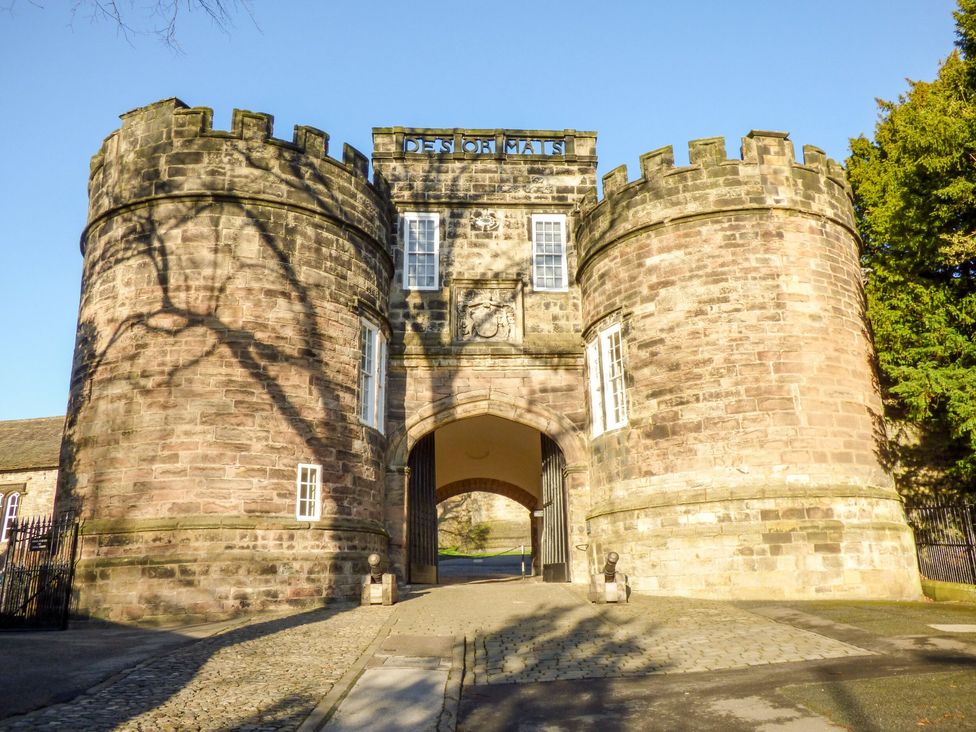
(372,375)
(537,275)
(405,220)
(608,397)
(308,480)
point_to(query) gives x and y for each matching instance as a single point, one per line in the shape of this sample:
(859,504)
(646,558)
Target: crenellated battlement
(760,148)
(766,175)
(169,149)
(258,334)
(245,126)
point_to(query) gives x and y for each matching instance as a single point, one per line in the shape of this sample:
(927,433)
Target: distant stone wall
(508,522)
(35,487)
(225,278)
(751,462)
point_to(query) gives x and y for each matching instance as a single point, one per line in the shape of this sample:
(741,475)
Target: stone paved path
(529,631)
(264,676)
(269,675)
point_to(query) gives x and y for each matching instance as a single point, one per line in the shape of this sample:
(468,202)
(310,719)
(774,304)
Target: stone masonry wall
(225,276)
(751,463)
(36,489)
(508,522)
(485,202)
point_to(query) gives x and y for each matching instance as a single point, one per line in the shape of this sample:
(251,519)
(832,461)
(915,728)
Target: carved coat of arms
(487,315)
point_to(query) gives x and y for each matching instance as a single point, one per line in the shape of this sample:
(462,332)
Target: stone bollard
(609,585)
(379,588)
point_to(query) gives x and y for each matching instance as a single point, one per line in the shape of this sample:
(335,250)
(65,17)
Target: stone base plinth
(383,592)
(153,571)
(774,543)
(601,591)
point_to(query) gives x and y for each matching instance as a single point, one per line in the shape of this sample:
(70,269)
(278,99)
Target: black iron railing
(36,573)
(945,540)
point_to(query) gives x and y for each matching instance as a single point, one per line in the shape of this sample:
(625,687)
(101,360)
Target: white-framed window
(421,246)
(549,252)
(605,364)
(9,514)
(308,485)
(372,376)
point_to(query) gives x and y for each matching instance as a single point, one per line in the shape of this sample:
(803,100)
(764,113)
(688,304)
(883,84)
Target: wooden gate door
(555,543)
(422,513)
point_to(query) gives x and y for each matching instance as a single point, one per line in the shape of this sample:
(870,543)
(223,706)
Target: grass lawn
(450,552)
(894,703)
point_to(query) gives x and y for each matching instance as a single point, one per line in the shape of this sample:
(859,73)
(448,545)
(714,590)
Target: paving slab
(392,699)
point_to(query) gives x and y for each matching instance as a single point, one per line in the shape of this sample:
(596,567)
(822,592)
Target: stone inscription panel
(436,144)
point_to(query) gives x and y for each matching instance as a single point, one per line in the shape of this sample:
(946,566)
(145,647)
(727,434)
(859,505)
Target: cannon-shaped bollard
(379,587)
(608,585)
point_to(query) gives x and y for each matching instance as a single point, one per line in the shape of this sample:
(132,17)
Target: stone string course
(226,277)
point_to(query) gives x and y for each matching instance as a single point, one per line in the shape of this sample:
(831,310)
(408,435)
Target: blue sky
(642,74)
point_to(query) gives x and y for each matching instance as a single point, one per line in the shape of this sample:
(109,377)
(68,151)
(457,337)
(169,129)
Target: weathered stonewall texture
(751,464)
(532,373)
(225,275)
(226,278)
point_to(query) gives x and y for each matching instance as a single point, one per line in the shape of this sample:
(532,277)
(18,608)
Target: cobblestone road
(270,674)
(264,676)
(529,631)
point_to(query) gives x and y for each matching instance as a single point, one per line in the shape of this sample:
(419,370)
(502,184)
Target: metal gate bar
(37,571)
(555,542)
(422,512)
(945,540)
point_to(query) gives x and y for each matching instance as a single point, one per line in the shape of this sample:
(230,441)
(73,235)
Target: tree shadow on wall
(427,324)
(180,318)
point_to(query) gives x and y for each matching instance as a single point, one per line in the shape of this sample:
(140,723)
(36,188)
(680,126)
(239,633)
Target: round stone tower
(215,447)
(751,463)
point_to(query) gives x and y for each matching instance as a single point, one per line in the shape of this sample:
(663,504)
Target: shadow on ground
(139,669)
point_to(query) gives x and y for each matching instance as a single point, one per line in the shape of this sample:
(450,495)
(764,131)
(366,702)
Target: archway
(487,453)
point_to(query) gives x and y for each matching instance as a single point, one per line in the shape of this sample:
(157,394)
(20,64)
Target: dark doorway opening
(481,455)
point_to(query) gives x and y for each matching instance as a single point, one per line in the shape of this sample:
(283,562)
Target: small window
(549,252)
(421,243)
(308,505)
(372,376)
(9,513)
(605,363)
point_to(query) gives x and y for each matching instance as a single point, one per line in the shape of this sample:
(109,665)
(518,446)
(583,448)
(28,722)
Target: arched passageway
(487,453)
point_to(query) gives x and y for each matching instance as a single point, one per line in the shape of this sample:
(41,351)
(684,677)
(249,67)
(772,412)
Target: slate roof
(29,444)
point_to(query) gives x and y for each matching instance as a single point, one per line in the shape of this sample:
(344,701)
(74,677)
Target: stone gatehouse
(283,364)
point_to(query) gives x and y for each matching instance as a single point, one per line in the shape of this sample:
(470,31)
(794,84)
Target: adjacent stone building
(29,454)
(283,365)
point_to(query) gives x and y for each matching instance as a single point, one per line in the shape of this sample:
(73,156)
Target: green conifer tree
(915,199)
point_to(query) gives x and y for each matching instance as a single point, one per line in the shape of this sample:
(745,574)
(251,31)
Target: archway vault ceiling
(492,450)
